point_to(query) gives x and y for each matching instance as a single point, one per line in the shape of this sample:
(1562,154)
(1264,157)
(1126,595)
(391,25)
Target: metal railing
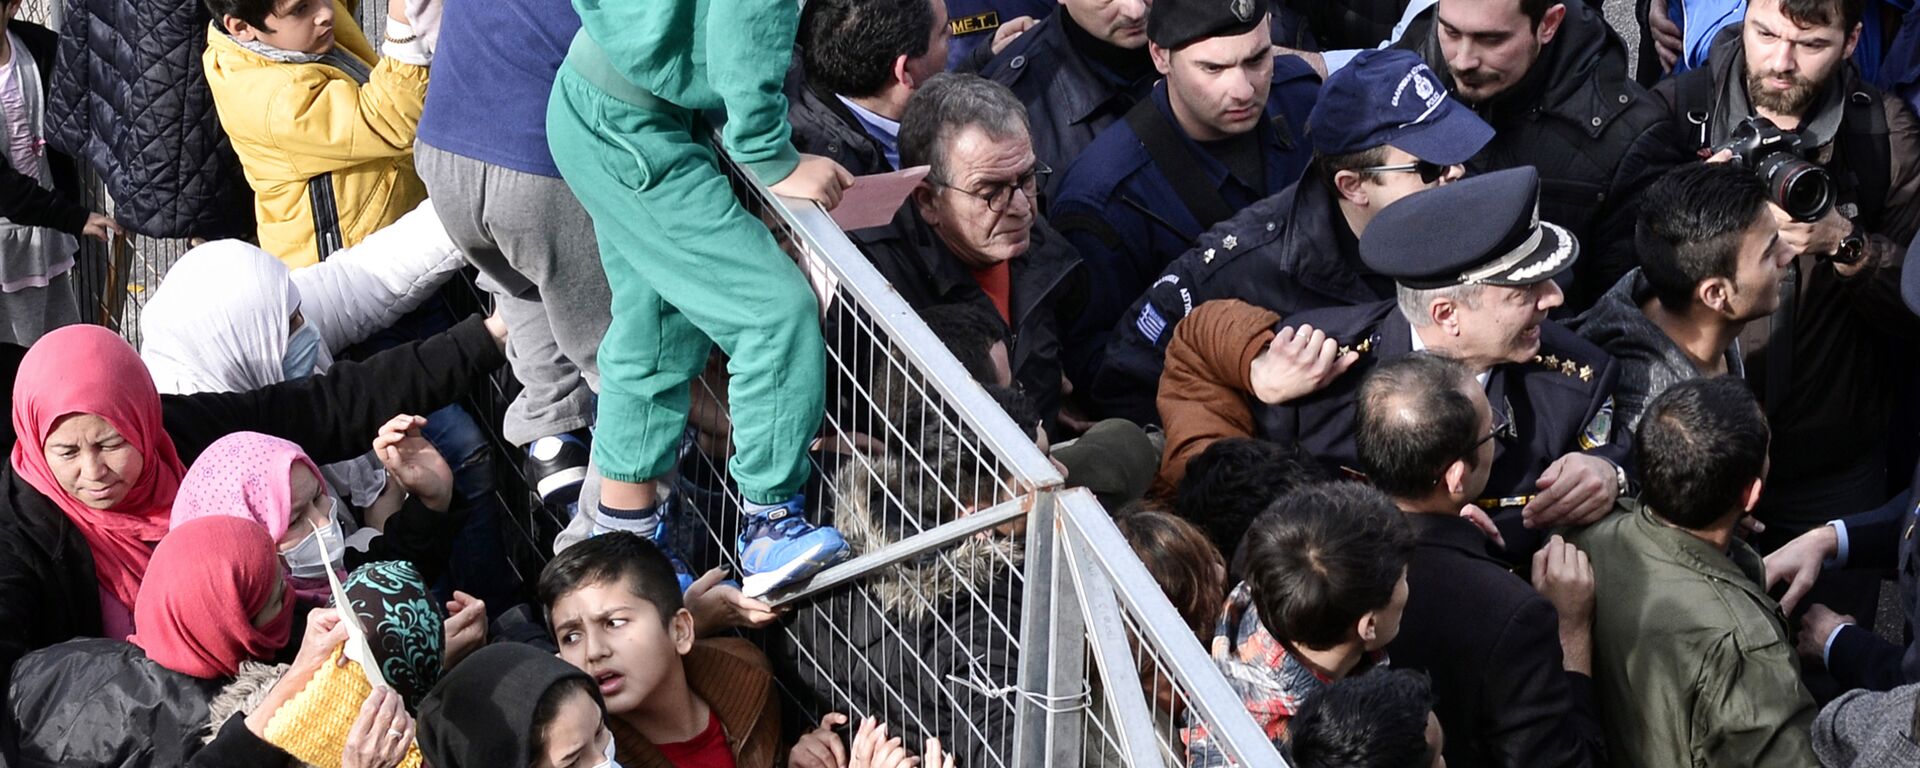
(987,606)
(1070,654)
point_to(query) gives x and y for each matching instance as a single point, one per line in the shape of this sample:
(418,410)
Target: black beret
(1172,24)
(1481,230)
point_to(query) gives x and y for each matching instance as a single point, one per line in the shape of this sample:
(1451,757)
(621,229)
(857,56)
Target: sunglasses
(1429,172)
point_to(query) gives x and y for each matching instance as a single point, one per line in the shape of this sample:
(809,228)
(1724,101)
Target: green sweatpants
(688,268)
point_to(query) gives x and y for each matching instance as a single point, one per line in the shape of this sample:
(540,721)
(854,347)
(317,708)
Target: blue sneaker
(779,547)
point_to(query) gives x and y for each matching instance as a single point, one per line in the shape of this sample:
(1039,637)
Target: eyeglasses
(999,195)
(1503,430)
(1429,172)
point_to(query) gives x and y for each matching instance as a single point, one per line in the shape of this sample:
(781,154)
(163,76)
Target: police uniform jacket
(1047,287)
(1287,253)
(975,22)
(1560,402)
(1123,214)
(1491,644)
(1578,120)
(1069,100)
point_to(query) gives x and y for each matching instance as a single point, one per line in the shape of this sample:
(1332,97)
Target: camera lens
(1800,188)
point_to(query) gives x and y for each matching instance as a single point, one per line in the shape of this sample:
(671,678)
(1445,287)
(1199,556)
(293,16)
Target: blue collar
(883,129)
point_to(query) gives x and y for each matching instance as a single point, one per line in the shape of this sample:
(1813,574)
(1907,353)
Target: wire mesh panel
(931,484)
(1156,688)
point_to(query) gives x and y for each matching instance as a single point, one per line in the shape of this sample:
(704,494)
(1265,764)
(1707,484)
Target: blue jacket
(1069,99)
(974,22)
(1560,403)
(1121,212)
(1286,253)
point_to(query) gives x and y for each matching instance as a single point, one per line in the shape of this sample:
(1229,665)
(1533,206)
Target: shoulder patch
(1599,430)
(975,24)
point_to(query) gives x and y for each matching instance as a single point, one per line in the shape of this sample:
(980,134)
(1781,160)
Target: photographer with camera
(1780,97)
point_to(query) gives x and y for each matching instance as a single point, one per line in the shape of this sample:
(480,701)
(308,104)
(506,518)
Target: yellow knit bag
(314,724)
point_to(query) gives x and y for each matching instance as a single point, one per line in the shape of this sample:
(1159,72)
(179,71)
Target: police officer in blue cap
(1474,265)
(1384,128)
(1222,130)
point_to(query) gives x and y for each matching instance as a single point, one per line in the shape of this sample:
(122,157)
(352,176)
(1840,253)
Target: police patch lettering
(975,24)
(1599,431)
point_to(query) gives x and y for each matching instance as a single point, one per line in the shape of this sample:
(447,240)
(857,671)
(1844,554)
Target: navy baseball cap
(1392,97)
(1480,230)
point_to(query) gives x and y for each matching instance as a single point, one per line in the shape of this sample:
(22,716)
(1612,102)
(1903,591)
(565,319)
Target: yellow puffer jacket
(291,123)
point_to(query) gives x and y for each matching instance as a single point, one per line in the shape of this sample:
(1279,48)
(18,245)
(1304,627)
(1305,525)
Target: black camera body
(1801,188)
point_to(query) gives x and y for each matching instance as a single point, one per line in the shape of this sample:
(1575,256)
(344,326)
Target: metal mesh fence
(984,608)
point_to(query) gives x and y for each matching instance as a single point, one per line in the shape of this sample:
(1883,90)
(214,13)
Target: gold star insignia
(1567,367)
(1208,257)
(1586,373)
(1229,242)
(1553,361)
(1365,346)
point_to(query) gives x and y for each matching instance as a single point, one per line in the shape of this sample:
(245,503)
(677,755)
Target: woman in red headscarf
(212,598)
(99,455)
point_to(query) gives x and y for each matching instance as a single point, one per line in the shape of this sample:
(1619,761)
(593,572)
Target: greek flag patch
(1150,323)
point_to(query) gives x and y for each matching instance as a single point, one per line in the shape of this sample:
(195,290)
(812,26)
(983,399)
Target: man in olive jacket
(1693,661)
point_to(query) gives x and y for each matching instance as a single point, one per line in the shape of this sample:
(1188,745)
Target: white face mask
(609,762)
(306,560)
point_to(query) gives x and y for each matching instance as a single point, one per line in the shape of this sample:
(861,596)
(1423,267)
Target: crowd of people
(1477,395)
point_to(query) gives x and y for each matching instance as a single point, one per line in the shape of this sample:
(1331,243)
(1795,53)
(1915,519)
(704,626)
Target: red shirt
(707,750)
(996,282)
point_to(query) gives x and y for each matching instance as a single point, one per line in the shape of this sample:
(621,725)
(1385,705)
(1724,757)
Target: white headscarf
(219,322)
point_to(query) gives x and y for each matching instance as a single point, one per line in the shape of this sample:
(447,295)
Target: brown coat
(733,677)
(1204,389)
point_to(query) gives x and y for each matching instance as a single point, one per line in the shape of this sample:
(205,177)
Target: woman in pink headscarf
(99,455)
(213,599)
(272,482)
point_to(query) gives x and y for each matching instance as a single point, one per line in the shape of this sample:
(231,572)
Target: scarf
(207,580)
(220,323)
(481,713)
(246,475)
(404,627)
(88,369)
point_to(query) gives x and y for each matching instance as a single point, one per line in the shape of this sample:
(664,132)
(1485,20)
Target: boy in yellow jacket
(324,133)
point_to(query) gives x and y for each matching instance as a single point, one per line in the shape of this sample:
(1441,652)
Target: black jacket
(1069,99)
(1287,254)
(904,635)
(1829,400)
(130,100)
(1491,645)
(99,703)
(823,126)
(22,200)
(48,590)
(1048,288)
(1559,403)
(1582,123)
(1339,24)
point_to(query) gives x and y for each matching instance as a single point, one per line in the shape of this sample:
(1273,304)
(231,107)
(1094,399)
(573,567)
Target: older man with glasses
(973,234)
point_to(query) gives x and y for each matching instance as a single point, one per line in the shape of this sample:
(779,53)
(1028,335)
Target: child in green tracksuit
(688,266)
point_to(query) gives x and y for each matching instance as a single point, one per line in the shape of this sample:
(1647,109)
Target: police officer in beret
(1082,66)
(1474,266)
(1384,128)
(1222,130)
